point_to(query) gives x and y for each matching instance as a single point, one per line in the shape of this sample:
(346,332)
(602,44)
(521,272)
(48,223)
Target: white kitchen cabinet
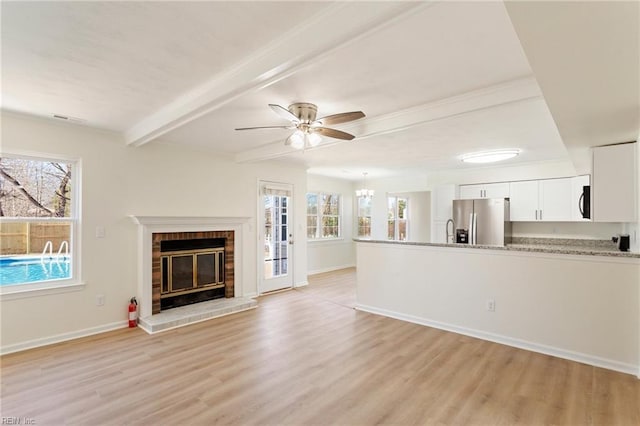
(524,201)
(485,190)
(548,200)
(555,200)
(614,189)
(468,192)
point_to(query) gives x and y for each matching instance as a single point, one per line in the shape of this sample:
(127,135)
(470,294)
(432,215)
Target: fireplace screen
(187,271)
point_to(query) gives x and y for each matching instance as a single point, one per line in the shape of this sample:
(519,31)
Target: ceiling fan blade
(340,118)
(332,133)
(284,113)
(266,127)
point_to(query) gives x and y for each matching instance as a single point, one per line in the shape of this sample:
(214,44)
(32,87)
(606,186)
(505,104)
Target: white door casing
(275,236)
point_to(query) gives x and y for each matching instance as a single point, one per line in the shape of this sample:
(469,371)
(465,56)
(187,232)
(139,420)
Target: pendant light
(364,192)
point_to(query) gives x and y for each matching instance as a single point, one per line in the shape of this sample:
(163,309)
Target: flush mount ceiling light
(490,156)
(309,130)
(364,192)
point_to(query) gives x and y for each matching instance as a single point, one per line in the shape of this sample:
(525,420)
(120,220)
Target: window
(323,216)
(39,209)
(364,216)
(398,218)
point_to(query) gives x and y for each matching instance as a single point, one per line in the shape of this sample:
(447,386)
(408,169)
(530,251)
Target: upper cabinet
(548,200)
(614,183)
(485,190)
(556,201)
(525,202)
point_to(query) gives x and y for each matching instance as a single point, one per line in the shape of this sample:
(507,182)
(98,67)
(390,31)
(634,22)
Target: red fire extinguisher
(133,312)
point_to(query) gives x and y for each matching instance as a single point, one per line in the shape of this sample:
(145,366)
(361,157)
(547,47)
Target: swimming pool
(23,269)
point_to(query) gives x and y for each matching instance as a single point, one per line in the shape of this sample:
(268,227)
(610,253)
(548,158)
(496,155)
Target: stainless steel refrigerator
(482,221)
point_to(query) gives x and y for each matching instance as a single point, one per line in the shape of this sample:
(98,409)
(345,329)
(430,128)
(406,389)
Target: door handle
(540,214)
(536,214)
(581,204)
(290,238)
(474,239)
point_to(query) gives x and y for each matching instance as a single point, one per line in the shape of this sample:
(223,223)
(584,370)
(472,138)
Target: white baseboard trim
(36,343)
(301,284)
(509,341)
(331,268)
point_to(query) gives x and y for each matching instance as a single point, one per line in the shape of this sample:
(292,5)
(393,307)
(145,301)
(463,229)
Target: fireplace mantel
(187,220)
(148,225)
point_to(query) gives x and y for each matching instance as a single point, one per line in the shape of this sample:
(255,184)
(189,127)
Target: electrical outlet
(100,300)
(491,305)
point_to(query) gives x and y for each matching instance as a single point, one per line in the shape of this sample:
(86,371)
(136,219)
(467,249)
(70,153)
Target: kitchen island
(536,245)
(579,303)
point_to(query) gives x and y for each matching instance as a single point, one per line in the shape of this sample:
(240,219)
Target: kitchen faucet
(453,230)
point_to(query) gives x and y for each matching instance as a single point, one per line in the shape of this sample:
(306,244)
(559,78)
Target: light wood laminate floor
(307,357)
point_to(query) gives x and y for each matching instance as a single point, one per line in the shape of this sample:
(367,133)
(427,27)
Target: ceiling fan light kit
(309,131)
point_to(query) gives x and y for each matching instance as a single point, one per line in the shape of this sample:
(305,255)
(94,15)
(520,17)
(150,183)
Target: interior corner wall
(419,216)
(330,255)
(118,181)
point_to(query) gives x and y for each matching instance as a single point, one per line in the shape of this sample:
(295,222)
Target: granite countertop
(537,245)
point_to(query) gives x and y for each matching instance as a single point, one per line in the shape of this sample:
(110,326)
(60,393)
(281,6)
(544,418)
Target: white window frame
(75,283)
(318,236)
(396,227)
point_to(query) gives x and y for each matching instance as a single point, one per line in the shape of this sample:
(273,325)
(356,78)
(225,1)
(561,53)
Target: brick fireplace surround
(172,236)
(153,229)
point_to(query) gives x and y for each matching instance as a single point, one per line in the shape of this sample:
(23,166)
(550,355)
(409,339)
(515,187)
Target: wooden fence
(31,237)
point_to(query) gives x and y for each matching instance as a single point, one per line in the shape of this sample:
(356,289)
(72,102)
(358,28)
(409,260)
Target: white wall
(584,308)
(419,215)
(379,209)
(323,256)
(577,230)
(117,181)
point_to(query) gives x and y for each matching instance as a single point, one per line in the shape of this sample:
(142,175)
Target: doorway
(276,236)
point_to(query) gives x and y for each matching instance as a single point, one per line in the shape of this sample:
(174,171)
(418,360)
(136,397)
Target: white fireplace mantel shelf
(188,220)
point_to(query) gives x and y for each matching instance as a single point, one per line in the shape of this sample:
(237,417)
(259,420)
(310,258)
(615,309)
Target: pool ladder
(49,247)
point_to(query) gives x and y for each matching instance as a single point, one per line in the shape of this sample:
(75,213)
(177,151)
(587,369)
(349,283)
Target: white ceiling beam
(337,26)
(513,91)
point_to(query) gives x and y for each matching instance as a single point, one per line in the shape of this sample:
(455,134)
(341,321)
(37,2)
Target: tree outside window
(37,208)
(397,218)
(364,217)
(323,216)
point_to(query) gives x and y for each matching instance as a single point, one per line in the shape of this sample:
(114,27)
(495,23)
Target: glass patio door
(277,236)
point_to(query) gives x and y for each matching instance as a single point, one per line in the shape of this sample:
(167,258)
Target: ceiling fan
(309,129)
